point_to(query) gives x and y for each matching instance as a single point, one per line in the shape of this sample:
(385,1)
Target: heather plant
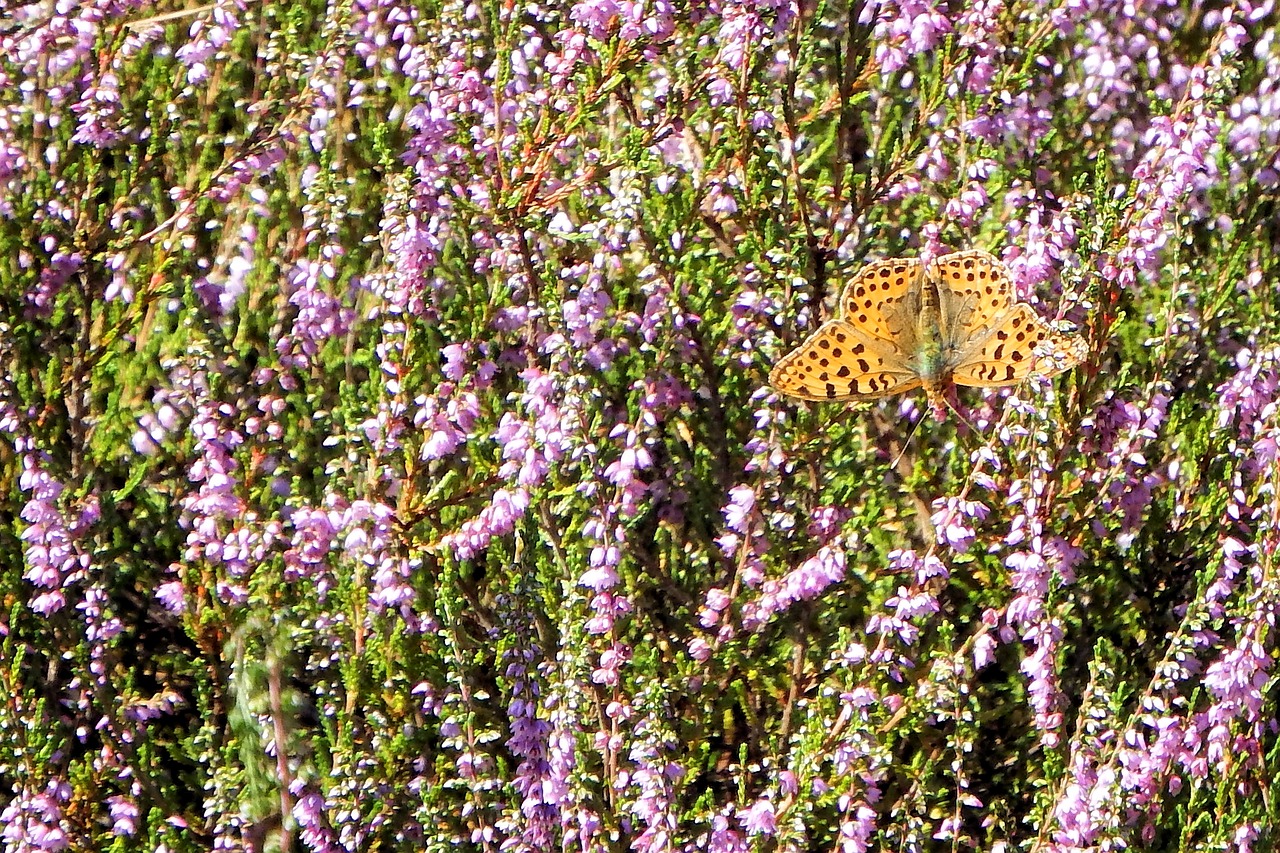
(389,463)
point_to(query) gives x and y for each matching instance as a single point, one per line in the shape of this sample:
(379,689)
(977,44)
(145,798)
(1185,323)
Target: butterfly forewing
(843,362)
(1019,344)
(974,291)
(874,300)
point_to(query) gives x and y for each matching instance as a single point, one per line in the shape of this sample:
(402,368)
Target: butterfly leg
(952,400)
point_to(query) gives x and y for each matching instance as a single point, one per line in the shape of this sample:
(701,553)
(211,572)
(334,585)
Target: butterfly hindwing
(1018,344)
(843,362)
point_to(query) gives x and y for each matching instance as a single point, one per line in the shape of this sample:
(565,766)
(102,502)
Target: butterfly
(904,325)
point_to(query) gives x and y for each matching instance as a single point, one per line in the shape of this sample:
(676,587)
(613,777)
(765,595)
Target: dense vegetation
(388,461)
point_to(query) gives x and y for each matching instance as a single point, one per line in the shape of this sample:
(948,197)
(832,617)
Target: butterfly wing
(975,292)
(875,299)
(843,362)
(1018,344)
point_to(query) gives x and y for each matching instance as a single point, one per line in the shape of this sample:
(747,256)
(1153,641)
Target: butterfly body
(930,361)
(905,325)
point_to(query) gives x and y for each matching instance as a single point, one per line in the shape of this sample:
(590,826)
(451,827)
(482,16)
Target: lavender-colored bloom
(172,596)
(34,823)
(806,582)
(699,649)
(98,110)
(922,569)
(741,501)
(207,36)
(253,168)
(611,662)
(652,779)
(54,275)
(542,790)
(315,535)
(855,831)
(904,29)
(309,812)
(320,316)
(497,519)
(124,815)
(908,605)
(759,819)
(825,522)
(595,16)
(54,560)
(1042,679)
(723,837)
(1236,680)
(604,558)
(950,520)
(966,207)
(984,648)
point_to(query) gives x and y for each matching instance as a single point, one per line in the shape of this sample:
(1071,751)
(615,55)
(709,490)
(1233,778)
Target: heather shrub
(389,461)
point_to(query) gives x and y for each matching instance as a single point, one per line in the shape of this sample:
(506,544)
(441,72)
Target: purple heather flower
(624,471)
(1029,575)
(320,317)
(977,27)
(172,595)
(904,29)
(651,790)
(1040,239)
(1042,679)
(966,207)
(908,605)
(747,29)
(595,16)
(100,628)
(856,828)
(1237,678)
(723,837)
(806,582)
(315,535)
(741,501)
(604,557)
(34,821)
(922,569)
(499,518)
(1245,835)
(206,36)
(54,275)
(759,819)
(54,560)
(1234,554)
(251,169)
(950,520)
(825,522)
(541,789)
(124,815)
(611,662)
(99,113)
(309,812)
(984,650)
(1176,155)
